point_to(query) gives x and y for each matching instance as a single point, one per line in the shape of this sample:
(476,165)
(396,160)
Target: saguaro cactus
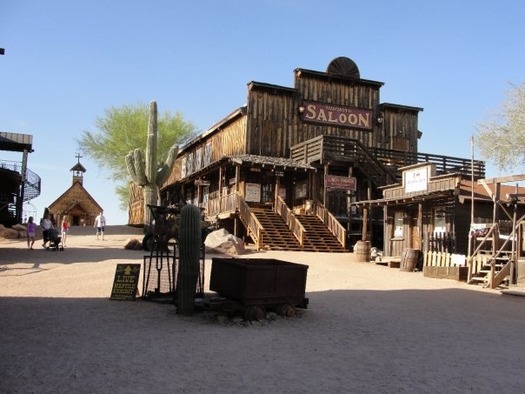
(144,171)
(189,250)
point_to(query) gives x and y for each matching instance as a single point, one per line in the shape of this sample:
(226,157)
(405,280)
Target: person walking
(31,232)
(100,224)
(65,228)
(46,225)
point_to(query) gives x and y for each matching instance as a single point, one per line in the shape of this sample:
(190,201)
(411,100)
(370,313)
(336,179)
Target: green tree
(502,137)
(123,129)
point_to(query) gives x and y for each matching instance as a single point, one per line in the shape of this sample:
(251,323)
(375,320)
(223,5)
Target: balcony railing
(235,203)
(340,148)
(32,184)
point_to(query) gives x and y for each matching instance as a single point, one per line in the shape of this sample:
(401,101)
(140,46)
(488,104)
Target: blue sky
(67,61)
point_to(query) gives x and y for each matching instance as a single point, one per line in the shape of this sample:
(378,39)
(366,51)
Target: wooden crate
(457,273)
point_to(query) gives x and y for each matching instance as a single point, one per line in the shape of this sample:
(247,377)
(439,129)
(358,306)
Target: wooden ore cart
(254,286)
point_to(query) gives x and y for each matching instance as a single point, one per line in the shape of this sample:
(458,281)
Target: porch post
(199,191)
(365,223)
(386,232)
(325,193)
(349,203)
(237,177)
(365,211)
(220,181)
(276,194)
(420,226)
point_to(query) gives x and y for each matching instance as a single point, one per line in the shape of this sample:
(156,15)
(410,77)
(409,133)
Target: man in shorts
(100,224)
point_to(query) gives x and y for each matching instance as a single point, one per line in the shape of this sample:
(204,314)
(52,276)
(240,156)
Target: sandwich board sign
(126,282)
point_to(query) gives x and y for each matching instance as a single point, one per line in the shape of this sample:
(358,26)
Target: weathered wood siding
(229,140)
(275,123)
(272,120)
(338,91)
(76,201)
(136,205)
(399,130)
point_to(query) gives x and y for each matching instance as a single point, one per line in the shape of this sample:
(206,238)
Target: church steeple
(78,171)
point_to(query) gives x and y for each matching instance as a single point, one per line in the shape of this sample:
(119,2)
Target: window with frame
(439,220)
(399,224)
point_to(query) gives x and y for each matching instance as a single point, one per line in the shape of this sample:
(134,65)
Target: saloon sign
(341,182)
(337,115)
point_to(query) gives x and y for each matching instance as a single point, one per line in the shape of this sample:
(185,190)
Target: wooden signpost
(126,282)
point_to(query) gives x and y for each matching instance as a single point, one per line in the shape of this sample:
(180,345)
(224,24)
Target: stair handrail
(380,167)
(291,220)
(496,278)
(330,222)
(250,221)
(473,268)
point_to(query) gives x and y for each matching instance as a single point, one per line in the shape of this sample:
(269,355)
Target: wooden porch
(292,231)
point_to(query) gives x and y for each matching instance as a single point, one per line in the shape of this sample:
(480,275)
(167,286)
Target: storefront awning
(381,202)
(272,162)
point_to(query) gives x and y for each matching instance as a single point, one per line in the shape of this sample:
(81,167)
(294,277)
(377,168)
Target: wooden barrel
(410,260)
(362,251)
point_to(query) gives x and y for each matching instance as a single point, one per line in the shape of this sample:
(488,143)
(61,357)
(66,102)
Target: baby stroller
(55,241)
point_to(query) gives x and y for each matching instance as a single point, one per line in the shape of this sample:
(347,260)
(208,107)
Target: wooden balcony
(378,161)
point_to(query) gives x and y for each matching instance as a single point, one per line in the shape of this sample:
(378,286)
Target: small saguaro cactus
(144,171)
(189,251)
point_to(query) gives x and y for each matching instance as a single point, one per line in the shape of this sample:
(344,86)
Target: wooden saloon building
(285,169)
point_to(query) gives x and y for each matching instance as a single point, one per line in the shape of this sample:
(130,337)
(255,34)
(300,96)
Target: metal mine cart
(253,286)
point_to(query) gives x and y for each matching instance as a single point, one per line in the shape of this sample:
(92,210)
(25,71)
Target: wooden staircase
(277,235)
(486,263)
(318,237)
(491,260)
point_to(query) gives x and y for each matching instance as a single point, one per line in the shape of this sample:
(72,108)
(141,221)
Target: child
(65,228)
(31,232)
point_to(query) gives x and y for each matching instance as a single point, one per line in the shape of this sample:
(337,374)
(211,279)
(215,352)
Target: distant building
(18,184)
(76,203)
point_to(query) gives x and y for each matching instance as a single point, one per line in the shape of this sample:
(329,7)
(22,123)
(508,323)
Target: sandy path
(368,328)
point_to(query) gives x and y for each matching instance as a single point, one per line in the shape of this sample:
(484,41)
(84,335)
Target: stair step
(278,236)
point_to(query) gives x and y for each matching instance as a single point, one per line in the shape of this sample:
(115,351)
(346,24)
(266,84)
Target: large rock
(221,241)
(133,244)
(9,233)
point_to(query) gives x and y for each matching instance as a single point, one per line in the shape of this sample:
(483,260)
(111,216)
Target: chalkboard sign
(126,282)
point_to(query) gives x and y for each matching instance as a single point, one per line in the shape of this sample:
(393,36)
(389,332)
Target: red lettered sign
(341,182)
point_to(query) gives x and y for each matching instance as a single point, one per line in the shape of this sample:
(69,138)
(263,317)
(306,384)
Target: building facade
(315,148)
(75,203)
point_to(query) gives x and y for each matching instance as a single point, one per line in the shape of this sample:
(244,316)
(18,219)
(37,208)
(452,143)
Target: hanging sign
(341,182)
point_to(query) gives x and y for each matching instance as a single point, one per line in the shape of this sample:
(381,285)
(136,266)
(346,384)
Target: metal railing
(32,183)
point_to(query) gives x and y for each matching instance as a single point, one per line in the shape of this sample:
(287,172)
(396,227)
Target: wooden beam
(487,188)
(503,179)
